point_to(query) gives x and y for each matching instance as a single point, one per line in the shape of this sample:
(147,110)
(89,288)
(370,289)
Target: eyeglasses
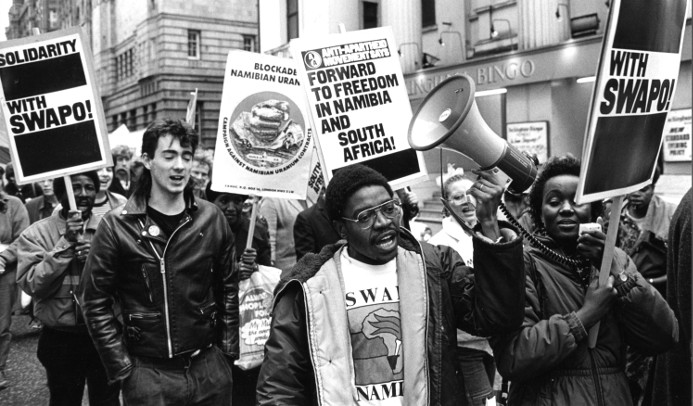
(458,200)
(365,219)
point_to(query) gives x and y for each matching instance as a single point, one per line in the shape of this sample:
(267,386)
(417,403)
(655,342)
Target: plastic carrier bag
(254,300)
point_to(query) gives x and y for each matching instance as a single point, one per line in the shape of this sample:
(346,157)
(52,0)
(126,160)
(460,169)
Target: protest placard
(677,136)
(358,103)
(51,106)
(636,80)
(530,137)
(264,142)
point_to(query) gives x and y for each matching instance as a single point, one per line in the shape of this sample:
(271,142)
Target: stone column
(540,24)
(404,16)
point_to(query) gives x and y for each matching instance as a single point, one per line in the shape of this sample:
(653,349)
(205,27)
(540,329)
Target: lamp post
(450,31)
(495,33)
(559,16)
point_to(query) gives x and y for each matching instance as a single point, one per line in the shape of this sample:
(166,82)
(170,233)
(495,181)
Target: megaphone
(449,116)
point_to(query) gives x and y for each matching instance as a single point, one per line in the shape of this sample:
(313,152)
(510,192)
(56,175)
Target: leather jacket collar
(138,207)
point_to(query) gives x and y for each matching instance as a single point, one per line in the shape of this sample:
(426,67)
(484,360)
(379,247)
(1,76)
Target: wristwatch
(624,283)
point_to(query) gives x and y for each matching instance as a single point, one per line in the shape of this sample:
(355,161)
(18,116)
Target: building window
(193,44)
(133,119)
(145,114)
(428,13)
(153,112)
(124,65)
(370,15)
(124,118)
(249,43)
(292,19)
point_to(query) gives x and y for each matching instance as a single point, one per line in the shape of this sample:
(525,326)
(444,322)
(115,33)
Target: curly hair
(347,181)
(555,166)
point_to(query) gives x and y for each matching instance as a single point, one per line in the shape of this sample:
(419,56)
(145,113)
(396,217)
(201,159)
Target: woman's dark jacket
(548,361)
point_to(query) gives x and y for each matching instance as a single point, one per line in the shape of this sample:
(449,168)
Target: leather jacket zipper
(162,269)
(144,316)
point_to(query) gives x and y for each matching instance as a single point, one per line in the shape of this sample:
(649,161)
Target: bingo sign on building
(358,103)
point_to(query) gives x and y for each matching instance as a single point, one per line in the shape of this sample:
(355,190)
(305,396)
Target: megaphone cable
(582,264)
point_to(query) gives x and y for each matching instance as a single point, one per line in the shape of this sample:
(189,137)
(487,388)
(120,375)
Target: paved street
(24,371)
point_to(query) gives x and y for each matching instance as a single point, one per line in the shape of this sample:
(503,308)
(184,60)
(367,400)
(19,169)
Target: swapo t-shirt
(372,303)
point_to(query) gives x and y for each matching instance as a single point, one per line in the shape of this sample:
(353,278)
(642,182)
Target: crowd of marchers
(135,288)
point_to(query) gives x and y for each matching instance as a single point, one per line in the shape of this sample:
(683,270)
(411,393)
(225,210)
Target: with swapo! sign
(633,94)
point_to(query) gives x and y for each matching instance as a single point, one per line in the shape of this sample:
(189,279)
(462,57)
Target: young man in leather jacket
(167,260)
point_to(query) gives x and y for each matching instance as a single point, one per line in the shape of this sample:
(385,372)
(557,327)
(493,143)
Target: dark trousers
(70,359)
(244,386)
(8,294)
(477,373)
(204,379)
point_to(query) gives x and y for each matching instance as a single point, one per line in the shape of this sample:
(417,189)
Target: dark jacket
(493,304)
(548,361)
(260,242)
(672,377)
(313,229)
(178,293)
(39,208)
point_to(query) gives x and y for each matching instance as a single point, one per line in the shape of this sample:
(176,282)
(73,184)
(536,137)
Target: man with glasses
(371,320)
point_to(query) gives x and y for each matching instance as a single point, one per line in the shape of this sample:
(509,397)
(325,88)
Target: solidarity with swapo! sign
(358,103)
(633,94)
(52,112)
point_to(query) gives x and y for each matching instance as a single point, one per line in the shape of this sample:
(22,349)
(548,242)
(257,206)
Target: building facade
(529,60)
(150,55)
(25,15)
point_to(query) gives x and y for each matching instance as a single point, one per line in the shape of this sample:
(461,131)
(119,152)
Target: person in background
(672,373)
(38,209)
(643,230)
(372,318)
(44,205)
(248,259)
(51,254)
(476,369)
(200,174)
(167,259)
(13,220)
(105,199)
(410,205)
(281,215)
(548,360)
(313,229)
(122,184)
(24,193)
